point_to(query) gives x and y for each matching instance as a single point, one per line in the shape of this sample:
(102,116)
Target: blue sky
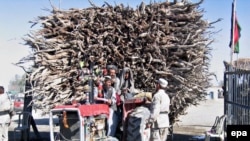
(15,15)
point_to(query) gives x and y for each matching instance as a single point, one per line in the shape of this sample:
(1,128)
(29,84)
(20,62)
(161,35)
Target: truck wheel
(136,125)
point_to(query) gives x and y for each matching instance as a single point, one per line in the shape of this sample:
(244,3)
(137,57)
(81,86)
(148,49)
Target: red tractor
(89,122)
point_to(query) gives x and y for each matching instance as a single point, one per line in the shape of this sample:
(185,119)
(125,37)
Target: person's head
(161,83)
(97,80)
(127,75)
(1,90)
(112,71)
(107,81)
(104,72)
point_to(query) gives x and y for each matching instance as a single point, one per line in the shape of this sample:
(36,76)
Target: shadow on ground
(184,137)
(45,137)
(33,137)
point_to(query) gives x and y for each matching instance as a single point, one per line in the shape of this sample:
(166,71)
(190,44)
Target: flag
(235,32)
(236,37)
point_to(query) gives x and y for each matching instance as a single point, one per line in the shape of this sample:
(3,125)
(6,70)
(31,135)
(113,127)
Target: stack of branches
(168,40)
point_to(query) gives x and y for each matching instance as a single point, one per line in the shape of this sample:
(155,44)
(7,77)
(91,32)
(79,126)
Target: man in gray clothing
(159,112)
(109,98)
(112,70)
(4,114)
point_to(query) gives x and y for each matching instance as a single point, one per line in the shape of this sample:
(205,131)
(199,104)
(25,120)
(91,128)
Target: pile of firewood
(168,40)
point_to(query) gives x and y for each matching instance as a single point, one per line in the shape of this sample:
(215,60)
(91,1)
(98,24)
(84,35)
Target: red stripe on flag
(237,30)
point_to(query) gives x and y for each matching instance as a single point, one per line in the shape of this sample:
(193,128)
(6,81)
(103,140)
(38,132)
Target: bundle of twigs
(169,40)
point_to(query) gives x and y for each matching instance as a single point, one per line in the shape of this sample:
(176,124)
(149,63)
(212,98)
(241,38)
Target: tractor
(88,122)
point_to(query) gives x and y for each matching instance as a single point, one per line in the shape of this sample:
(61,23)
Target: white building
(214,92)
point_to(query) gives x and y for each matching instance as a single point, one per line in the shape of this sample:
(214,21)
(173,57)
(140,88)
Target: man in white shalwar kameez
(159,112)
(5,110)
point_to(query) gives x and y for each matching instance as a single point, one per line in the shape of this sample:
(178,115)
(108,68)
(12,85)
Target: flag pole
(232,40)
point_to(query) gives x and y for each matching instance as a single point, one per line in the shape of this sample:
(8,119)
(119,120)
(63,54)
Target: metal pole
(91,83)
(232,40)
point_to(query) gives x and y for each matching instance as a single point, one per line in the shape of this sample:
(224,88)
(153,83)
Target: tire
(136,124)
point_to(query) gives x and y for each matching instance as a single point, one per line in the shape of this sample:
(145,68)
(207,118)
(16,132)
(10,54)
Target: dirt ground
(197,120)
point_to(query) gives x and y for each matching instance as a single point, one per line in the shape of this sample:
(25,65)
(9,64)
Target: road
(199,119)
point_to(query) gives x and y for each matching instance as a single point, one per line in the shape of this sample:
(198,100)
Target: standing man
(5,107)
(108,97)
(159,112)
(112,70)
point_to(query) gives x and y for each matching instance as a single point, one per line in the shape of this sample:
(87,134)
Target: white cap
(107,77)
(163,82)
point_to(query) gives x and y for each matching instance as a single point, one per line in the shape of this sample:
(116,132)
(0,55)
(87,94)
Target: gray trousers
(112,122)
(4,129)
(159,134)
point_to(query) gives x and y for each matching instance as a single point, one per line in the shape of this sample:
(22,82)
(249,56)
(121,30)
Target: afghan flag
(236,36)
(235,32)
